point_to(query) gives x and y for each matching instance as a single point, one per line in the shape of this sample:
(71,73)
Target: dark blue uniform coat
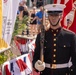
(59,47)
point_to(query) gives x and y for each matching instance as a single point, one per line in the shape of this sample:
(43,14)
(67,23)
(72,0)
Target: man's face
(41,8)
(54,18)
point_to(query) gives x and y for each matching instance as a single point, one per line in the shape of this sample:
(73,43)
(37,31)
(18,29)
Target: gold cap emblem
(54,5)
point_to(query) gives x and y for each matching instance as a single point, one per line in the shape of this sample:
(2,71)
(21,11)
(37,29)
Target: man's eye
(54,14)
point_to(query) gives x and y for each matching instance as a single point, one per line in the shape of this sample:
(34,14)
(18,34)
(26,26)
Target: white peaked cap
(54,7)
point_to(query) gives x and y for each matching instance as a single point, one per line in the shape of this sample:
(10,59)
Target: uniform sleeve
(73,55)
(37,50)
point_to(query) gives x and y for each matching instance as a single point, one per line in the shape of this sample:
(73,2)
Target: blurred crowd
(35,15)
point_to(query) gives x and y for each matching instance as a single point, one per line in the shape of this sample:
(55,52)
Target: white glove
(39,65)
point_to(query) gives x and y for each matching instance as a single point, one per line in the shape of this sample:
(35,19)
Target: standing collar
(56,30)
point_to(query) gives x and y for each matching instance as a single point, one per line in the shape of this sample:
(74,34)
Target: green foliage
(20,26)
(5,56)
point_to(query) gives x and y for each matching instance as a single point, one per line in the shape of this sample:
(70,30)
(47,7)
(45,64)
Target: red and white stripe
(19,67)
(23,44)
(73,26)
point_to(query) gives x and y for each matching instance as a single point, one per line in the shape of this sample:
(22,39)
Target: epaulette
(68,30)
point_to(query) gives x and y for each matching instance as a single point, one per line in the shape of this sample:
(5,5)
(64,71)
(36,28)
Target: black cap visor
(54,13)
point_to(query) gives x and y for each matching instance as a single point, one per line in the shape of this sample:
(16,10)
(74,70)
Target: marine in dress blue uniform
(59,46)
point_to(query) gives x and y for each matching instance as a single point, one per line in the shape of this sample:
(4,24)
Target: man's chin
(54,24)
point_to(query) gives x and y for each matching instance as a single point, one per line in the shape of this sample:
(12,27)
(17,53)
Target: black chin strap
(56,23)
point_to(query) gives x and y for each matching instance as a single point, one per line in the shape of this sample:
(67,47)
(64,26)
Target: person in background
(33,23)
(20,10)
(25,11)
(33,2)
(59,46)
(39,3)
(39,16)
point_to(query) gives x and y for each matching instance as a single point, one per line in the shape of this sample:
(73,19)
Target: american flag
(18,66)
(73,26)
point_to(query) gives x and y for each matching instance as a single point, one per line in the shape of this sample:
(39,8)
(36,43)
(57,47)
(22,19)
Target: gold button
(56,30)
(54,39)
(54,61)
(46,41)
(54,34)
(54,44)
(66,74)
(45,47)
(71,69)
(54,50)
(64,45)
(54,55)
(52,30)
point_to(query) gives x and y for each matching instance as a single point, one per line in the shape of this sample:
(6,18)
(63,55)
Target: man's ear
(61,16)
